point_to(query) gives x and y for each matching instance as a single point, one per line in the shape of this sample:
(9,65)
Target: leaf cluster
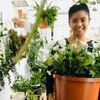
(1,31)
(21,84)
(35,56)
(6,65)
(6,62)
(15,41)
(31,95)
(75,61)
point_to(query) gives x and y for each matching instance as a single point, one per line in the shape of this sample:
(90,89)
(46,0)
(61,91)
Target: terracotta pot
(20,24)
(43,25)
(24,15)
(76,88)
(20,13)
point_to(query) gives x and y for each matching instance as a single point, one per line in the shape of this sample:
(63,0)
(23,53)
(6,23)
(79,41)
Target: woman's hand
(51,96)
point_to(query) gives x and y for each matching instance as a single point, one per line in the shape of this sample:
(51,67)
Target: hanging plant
(48,16)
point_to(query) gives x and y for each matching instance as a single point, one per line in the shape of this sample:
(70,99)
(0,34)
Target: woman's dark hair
(78,7)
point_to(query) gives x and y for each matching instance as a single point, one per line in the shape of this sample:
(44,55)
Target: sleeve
(49,78)
(49,82)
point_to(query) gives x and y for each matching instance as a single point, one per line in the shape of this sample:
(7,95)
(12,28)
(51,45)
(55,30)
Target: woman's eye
(83,20)
(74,21)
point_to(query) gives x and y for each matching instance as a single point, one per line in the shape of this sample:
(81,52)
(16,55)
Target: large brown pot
(76,88)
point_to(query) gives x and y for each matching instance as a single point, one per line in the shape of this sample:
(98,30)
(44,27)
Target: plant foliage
(35,56)
(75,60)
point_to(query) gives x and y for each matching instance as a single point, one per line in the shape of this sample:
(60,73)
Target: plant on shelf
(15,42)
(21,84)
(26,85)
(21,20)
(49,15)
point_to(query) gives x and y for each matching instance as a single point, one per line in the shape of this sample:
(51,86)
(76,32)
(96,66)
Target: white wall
(61,30)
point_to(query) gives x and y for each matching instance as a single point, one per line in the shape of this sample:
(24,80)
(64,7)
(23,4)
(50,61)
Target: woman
(79,19)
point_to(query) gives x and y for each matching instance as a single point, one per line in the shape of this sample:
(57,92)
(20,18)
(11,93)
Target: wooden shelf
(20,3)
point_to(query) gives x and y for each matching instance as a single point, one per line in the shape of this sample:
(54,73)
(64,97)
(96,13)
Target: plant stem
(33,32)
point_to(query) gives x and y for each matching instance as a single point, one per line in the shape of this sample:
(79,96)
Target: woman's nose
(79,23)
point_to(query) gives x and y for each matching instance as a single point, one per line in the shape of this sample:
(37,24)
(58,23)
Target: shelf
(20,3)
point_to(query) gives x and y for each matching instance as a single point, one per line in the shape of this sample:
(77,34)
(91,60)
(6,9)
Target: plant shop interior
(24,40)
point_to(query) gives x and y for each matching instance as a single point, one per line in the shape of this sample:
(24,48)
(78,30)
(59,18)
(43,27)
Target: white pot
(18,96)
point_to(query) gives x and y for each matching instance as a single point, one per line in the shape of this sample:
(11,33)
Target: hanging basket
(76,88)
(43,25)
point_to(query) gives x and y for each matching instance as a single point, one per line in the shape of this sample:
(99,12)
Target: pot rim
(78,79)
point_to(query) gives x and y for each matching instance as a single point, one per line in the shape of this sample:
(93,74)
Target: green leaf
(87,62)
(5,29)
(1,23)
(86,1)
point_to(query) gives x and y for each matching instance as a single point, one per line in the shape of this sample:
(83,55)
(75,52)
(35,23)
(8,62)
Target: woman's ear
(89,20)
(69,23)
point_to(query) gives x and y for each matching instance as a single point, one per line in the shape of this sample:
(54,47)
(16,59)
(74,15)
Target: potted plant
(48,16)
(21,84)
(78,71)
(21,20)
(15,42)
(24,85)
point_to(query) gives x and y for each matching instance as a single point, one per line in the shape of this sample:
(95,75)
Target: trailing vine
(6,61)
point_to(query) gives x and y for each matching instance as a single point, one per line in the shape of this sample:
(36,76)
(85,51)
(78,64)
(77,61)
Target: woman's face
(79,23)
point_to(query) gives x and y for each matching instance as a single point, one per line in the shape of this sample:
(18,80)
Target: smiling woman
(79,19)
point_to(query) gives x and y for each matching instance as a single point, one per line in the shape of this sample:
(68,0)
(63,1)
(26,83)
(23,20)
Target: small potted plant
(24,85)
(48,16)
(76,70)
(21,84)
(21,20)
(15,42)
